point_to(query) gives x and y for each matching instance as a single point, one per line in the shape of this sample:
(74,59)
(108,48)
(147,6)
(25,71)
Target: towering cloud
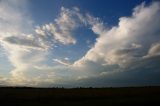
(123,49)
(125,54)
(128,41)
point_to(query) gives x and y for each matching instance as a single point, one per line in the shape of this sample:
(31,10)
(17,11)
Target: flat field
(125,96)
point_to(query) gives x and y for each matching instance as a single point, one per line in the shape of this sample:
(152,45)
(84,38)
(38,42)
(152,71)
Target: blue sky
(79,43)
(108,10)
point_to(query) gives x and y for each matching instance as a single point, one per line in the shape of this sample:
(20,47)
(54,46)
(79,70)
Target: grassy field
(130,96)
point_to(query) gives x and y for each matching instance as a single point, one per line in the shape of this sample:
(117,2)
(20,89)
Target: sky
(79,43)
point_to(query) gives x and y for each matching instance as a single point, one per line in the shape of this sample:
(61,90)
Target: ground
(126,96)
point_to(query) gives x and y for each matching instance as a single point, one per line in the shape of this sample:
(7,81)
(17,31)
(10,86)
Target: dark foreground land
(130,96)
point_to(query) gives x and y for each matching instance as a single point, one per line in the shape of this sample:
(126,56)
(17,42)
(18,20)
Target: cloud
(153,51)
(11,15)
(27,41)
(63,62)
(3,81)
(45,36)
(27,47)
(97,26)
(125,42)
(126,54)
(22,50)
(120,51)
(62,28)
